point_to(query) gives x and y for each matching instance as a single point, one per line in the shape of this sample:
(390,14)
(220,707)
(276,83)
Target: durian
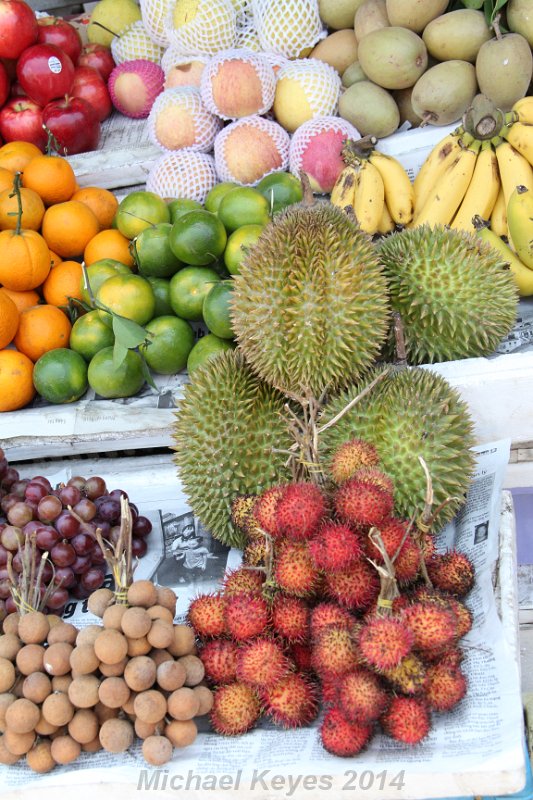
(310,307)
(228,429)
(455,296)
(410,412)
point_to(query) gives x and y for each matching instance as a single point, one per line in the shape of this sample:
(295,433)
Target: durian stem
(303,453)
(353,401)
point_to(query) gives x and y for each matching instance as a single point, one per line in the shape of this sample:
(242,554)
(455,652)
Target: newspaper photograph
(476,749)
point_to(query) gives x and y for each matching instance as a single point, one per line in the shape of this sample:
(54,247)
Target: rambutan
(361,696)
(340,737)
(384,641)
(241,511)
(300,510)
(246,616)
(236,709)
(452,658)
(445,687)
(294,570)
(362,504)
(356,587)
(434,627)
(262,663)
(400,547)
(453,572)
(375,476)
(409,676)
(301,655)
(264,510)
(351,456)
(335,546)
(206,614)
(290,617)
(255,552)
(243,580)
(292,701)
(333,652)
(219,657)
(407,719)
(327,614)
(463,616)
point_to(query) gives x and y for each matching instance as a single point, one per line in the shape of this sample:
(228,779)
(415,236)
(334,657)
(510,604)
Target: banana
(520,136)
(498,218)
(520,222)
(449,190)
(369,197)
(399,192)
(482,191)
(342,193)
(438,159)
(514,169)
(522,275)
(523,108)
(386,223)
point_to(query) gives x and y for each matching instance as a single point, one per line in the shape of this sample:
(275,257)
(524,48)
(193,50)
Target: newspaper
(476,749)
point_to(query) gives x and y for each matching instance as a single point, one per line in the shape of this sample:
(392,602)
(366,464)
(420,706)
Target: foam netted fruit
(292,701)
(228,427)
(310,307)
(410,413)
(442,282)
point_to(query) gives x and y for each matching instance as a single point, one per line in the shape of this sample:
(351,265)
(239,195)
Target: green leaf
(119,354)
(498,6)
(147,374)
(477,4)
(127,332)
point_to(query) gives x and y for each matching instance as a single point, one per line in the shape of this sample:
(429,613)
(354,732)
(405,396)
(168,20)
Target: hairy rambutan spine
(407,719)
(236,709)
(340,737)
(206,614)
(384,641)
(261,663)
(350,457)
(300,510)
(292,701)
(335,546)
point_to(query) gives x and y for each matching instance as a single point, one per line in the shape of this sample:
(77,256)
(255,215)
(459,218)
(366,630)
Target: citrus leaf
(147,373)
(119,354)
(127,332)
(473,3)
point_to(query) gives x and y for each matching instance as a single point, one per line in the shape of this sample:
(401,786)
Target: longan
(22,716)
(93,746)
(60,683)
(11,623)
(57,709)
(57,658)
(111,646)
(138,647)
(113,670)
(99,600)
(114,692)
(88,635)
(10,644)
(112,617)
(6,698)
(83,659)
(84,726)
(83,691)
(136,622)
(40,758)
(171,675)
(142,593)
(183,704)
(157,750)
(33,627)
(205,695)
(140,673)
(144,729)
(161,612)
(36,687)
(181,733)
(63,632)
(116,735)
(184,641)
(45,728)
(150,706)
(6,756)
(158,656)
(7,674)
(167,597)
(53,619)
(128,705)
(65,749)
(194,667)
(19,743)
(161,634)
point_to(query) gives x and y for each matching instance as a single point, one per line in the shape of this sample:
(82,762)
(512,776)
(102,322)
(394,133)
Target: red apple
(22,120)
(89,84)
(18,28)
(45,72)
(74,124)
(99,57)
(4,84)
(55,30)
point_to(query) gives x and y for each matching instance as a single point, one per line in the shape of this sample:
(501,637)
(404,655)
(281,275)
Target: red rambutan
(262,663)
(400,547)
(290,617)
(351,456)
(452,658)
(236,709)
(362,504)
(301,655)
(463,616)
(292,701)
(361,696)
(356,587)
(333,652)
(300,510)
(329,615)
(335,546)
(246,616)
(294,570)
(264,509)
(409,676)
(452,572)
(434,627)
(243,580)
(375,476)
(407,719)
(340,737)
(219,657)
(206,614)
(384,641)
(445,687)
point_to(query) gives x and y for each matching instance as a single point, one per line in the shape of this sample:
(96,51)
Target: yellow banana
(514,169)
(523,108)
(482,191)
(342,193)
(369,197)
(522,275)
(399,192)
(520,222)
(449,190)
(520,136)
(439,158)
(386,223)
(498,218)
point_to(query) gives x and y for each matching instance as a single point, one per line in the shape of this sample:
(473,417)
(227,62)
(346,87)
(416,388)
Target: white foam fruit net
(153,14)
(304,134)
(178,119)
(248,37)
(249,149)
(135,42)
(321,83)
(288,26)
(202,26)
(185,173)
(185,71)
(238,83)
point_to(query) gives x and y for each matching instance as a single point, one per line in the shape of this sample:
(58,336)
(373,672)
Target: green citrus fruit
(131,296)
(100,271)
(139,210)
(238,243)
(90,334)
(197,238)
(60,376)
(207,347)
(180,206)
(243,206)
(110,381)
(161,290)
(215,195)
(153,255)
(188,287)
(216,309)
(281,189)
(172,341)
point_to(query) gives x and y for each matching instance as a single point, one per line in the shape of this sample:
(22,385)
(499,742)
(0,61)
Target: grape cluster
(62,521)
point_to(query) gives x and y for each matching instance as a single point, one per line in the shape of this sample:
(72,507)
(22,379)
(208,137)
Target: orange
(9,319)
(50,176)
(54,259)
(63,282)
(6,178)
(23,300)
(131,296)
(16,381)
(24,260)
(17,155)
(101,201)
(42,328)
(32,210)
(108,244)
(68,227)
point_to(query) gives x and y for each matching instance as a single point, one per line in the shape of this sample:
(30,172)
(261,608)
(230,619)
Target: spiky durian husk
(227,426)
(455,295)
(411,412)
(310,307)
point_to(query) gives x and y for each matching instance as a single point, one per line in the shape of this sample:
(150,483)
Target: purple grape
(94,487)
(4,465)
(69,495)
(67,525)
(49,508)
(83,544)
(11,537)
(141,527)
(104,527)
(63,554)
(118,493)
(138,548)
(47,573)
(9,500)
(82,564)
(34,491)
(46,537)
(3,555)
(79,593)
(11,608)
(77,481)
(97,556)
(65,577)
(109,510)
(19,514)
(31,526)
(10,477)
(44,482)
(92,579)
(58,598)
(85,509)
(5,588)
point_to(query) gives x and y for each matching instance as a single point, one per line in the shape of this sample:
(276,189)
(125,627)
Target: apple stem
(99,24)
(16,193)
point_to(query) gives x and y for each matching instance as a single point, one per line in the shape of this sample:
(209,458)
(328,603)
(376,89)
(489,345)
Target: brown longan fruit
(57,658)
(206,697)
(33,627)
(83,691)
(159,656)
(142,593)
(83,659)
(116,735)
(194,667)
(150,706)
(63,632)
(183,704)
(161,612)
(166,597)
(113,616)
(140,673)
(114,692)
(144,729)
(128,705)
(157,750)
(36,687)
(19,743)
(7,674)
(6,756)
(161,634)
(22,716)
(57,709)
(171,675)
(113,670)
(110,646)
(181,733)
(93,746)
(84,726)
(88,635)
(6,698)
(136,622)
(53,619)
(99,600)
(184,641)
(11,623)
(10,644)
(40,758)
(60,683)
(45,728)
(138,647)
(65,749)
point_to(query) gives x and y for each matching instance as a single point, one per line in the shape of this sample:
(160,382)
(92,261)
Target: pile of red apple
(50,81)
